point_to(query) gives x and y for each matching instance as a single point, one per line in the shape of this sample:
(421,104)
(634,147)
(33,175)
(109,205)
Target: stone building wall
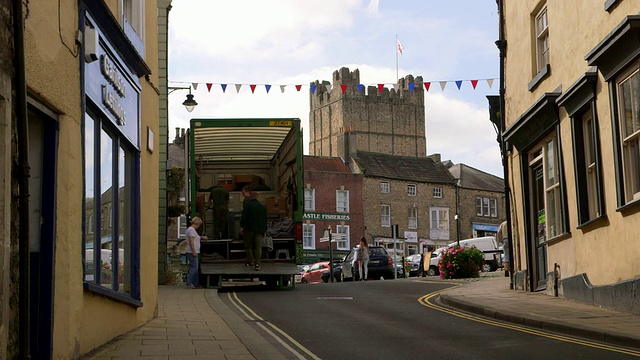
(468,214)
(390,122)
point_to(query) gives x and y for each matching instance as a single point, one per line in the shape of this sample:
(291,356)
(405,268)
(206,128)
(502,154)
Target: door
(42,162)
(538,228)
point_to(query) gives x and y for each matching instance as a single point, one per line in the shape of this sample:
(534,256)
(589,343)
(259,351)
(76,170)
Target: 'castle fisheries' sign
(326,216)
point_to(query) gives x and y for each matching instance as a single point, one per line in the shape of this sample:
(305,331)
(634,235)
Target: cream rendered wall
(606,251)
(84,320)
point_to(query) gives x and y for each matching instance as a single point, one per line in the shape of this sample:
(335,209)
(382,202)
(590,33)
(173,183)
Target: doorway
(538,221)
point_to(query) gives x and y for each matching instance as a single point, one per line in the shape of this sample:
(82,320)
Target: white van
(486,244)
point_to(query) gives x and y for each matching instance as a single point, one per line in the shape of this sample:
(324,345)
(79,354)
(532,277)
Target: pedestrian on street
(220,204)
(503,236)
(193,249)
(362,258)
(253,224)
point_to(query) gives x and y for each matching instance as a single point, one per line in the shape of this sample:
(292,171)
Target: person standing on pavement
(253,224)
(220,204)
(193,249)
(503,236)
(362,254)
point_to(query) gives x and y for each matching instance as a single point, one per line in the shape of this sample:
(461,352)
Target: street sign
(324,239)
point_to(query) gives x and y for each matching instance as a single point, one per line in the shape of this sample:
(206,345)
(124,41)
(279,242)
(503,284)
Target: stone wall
(389,122)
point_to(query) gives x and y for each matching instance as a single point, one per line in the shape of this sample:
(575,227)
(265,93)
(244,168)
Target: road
(393,320)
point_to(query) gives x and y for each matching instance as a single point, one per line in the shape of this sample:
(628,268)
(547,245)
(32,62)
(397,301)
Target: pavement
(196,324)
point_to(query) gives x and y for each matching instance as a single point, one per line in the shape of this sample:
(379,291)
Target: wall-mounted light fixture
(189,104)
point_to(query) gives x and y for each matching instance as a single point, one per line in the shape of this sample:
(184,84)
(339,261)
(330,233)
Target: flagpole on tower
(397,51)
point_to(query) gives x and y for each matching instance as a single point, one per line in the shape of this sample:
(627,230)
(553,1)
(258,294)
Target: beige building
(79,231)
(572,137)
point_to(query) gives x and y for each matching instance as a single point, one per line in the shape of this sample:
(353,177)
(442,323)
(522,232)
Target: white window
(133,13)
(385,216)
(413,218)
(342,243)
(439,223)
(493,207)
(486,207)
(342,201)
(552,190)
(629,123)
(309,236)
(411,190)
(590,166)
(437,192)
(542,39)
(385,188)
(182,226)
(310,199)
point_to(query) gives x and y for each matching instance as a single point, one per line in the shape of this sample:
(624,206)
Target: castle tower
(389,122)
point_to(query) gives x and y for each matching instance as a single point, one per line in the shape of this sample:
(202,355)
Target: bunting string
(343,87)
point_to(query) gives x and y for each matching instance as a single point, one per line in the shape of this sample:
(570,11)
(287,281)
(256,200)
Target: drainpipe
(502,46)
(23,178)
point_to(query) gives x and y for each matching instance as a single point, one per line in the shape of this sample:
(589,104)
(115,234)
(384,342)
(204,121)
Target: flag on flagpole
(399,46)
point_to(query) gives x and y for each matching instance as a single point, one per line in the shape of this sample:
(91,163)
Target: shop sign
(326,216)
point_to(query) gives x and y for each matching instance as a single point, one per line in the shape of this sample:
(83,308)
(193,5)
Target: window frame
(385,187)
(182,227)
(439,223)
(345,208)
(311,245)
(344,243)
(385,215)
(132,13)
(437,192)
(541,39)
(412,218)
(629,155)
(312,199)
(412,190)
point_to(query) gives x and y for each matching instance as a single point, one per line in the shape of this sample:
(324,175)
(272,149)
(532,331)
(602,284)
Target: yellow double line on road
(427,301)
(252,316)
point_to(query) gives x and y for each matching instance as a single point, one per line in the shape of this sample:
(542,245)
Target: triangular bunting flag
(427,85)
(360,88)
(489,82)
(209,86)
(474,83)
(195,86)
(395,87)
(343,87)
(238,86)
(267,87)
(224,87)
(458,83)
(313,89)
(253,88)
(412,86)
(298,87)
(443,84)
(282,88)
(380,87)
(328,87)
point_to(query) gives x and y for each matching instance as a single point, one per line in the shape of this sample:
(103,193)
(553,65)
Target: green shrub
(460,263)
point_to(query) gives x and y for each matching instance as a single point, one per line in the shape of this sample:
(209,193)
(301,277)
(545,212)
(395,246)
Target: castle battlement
(370,93)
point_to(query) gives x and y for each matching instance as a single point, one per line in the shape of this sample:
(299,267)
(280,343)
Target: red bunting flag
(209,86)
(427,85)
(253,88)
(298,87)
(380,87)
(474,83)
(343,87)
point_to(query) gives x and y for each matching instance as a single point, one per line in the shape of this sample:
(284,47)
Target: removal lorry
(265,154)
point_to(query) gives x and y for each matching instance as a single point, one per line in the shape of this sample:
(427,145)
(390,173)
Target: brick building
(333,198)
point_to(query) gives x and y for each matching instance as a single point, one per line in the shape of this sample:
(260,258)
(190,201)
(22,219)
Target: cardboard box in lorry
(275,205)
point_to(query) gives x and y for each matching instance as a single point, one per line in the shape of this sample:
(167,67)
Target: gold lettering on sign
(110,100)
(111,73)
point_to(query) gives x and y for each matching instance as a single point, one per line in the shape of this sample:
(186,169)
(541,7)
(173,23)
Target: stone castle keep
(389,122)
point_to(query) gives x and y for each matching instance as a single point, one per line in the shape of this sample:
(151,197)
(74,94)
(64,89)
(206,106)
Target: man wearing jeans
(253,224)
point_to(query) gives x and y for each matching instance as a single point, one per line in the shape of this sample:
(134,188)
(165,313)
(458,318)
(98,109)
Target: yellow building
(572,137)
(79,231)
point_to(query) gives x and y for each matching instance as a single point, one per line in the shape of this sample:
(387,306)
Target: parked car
(414,262)
(314,273)
(337,266)
(380,265)
(486,244)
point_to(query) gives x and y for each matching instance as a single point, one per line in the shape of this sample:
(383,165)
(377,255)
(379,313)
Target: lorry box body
(265,154)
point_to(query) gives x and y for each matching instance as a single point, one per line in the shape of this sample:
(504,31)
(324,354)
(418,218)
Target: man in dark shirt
(253,224)
(220,206)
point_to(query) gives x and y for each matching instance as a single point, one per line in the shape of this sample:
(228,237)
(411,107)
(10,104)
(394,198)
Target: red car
(314,274)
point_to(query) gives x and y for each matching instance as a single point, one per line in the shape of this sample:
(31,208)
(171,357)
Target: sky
(296,42)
